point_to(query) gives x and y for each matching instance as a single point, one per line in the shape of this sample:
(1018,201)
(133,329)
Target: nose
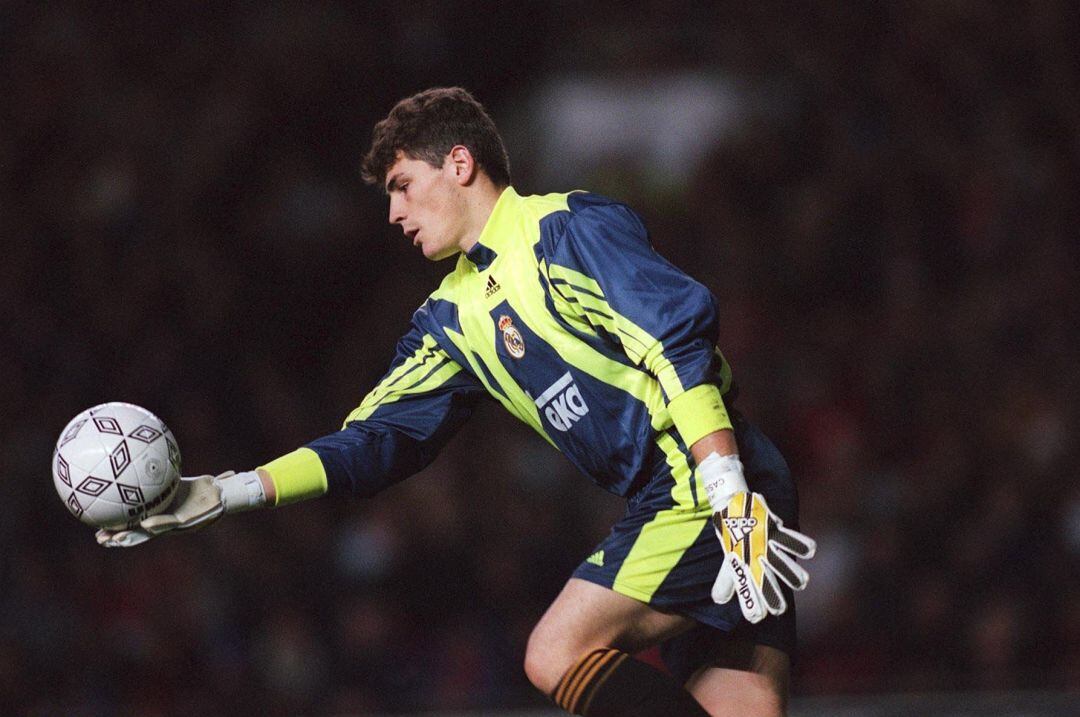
(397,211)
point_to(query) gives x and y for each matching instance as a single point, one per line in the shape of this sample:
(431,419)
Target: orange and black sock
(609,683)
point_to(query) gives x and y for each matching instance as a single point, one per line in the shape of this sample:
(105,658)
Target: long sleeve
(403,422)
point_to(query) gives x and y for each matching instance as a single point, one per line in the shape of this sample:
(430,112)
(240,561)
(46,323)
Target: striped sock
(610,683)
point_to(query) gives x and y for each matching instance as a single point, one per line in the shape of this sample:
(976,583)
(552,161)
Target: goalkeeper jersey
(564,314)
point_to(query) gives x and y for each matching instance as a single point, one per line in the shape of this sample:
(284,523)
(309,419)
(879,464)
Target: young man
(559,309)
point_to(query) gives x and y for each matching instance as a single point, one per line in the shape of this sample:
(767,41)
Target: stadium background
(883,198)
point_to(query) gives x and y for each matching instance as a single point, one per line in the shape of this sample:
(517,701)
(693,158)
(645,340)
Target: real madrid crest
(515,344)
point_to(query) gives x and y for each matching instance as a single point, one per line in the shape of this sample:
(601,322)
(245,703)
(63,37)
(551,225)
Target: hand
(197,503)
(757,546)
(757,550)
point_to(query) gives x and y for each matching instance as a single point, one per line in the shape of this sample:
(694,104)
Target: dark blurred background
(882,196)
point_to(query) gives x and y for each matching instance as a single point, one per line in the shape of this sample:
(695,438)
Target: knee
(546,661)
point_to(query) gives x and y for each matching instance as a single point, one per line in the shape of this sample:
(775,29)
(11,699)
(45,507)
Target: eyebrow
(392,184)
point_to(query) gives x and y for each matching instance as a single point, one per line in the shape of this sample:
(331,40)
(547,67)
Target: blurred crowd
(887,231)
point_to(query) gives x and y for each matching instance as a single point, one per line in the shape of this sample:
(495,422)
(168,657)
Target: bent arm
(603,267)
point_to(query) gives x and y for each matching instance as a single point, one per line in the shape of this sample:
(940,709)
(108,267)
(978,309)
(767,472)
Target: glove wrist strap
(240,492)
(723,478)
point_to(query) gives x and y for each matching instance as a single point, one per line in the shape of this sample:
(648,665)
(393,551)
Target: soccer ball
(116,464)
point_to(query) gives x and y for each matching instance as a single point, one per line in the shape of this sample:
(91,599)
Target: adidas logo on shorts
(596,558)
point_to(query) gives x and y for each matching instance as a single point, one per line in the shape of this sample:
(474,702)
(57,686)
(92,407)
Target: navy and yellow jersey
(564,314)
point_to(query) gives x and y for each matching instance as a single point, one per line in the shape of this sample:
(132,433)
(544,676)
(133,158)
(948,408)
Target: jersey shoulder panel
(541,205)
(584,214)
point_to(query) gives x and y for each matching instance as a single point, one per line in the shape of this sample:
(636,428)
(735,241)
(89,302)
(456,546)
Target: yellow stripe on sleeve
(640,346)
(442,369)
(397,379)
(663,369)
(297,476)
(575,277)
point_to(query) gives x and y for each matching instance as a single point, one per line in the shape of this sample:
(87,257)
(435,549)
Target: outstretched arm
(397,431)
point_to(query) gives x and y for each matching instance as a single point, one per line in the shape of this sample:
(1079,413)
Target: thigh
(598,616)
(585,616)
(744,679)
(684,654)
(741,678)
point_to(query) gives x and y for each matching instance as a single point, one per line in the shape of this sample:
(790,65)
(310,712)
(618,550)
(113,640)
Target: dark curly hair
(428,125)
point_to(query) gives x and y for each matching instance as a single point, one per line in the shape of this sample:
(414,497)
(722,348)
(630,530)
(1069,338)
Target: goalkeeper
(559,309)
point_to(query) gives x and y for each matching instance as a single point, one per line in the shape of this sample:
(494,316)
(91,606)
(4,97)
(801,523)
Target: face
(426,201)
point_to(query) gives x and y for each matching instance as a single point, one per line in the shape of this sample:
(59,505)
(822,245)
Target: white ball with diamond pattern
(115,464)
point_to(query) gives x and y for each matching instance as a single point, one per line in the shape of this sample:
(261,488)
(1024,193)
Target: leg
(743,679)
(747,679)
(743,672)
(585,616)
(573,656)
(663,553)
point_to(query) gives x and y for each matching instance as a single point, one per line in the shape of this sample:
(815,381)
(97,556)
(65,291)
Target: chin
(438,254)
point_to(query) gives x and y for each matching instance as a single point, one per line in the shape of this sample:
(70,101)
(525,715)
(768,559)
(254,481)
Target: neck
(478,207)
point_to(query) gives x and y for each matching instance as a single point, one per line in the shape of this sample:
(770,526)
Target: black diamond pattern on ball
(174,455)
(72,432)
(130,494)
(62,470)
(120,459)
(73,505)
(92,486)
(108,424)
(146,434)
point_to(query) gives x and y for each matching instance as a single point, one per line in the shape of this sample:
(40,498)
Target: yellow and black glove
(757,546)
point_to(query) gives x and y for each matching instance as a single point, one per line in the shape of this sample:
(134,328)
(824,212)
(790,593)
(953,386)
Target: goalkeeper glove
(757,546)
(198,502)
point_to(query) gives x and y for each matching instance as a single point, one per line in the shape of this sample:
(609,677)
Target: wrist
(722,477)
(241,491)
(269,489)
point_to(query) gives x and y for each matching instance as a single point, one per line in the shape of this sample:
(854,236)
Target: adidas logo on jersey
(562,403)
(492,287)
(596,558)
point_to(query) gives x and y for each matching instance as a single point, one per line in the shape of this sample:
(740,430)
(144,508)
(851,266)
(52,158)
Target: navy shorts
(664,550)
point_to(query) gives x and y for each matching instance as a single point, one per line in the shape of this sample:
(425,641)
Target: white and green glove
(757,546)
(198,502)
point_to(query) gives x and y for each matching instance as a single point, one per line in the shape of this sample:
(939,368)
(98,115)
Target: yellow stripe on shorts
(664,539)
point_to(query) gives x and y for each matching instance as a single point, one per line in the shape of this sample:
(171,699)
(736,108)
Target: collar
(497,230)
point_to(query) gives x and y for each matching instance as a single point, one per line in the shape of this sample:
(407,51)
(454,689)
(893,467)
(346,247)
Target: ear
(461,164)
